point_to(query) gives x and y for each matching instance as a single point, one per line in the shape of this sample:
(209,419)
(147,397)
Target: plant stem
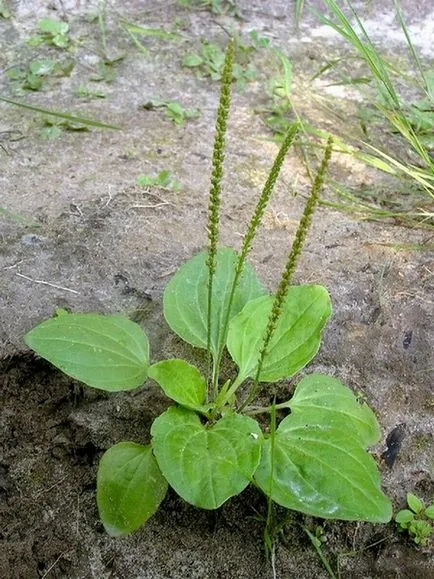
(268,531)
(291,264)
(314,540)
(215,190)
(252,230)
(226,396)
(254,410)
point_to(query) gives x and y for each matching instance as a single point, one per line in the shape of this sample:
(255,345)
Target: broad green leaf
(332,403)
(429,512)
(129,488)
(206,465)
(415,503)
(181,382)
(106,352)
(296,338)
(186,297)
(320,466)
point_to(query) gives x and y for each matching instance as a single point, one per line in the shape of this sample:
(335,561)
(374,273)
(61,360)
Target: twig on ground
(42,282)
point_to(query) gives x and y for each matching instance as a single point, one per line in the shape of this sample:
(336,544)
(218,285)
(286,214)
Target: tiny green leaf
(53,26)
(4,10)
(130,487)
(317,463)
(60,40)
(107,352)
(181,382)
(206,465)
(186,297)
(429,512)
(145,181)
(35,40)
(415,503)
(420,531)
(192,60)
(404,517)
(42,67)
(295,340)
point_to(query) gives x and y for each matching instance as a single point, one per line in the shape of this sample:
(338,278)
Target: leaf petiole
(226,393)
(254,410)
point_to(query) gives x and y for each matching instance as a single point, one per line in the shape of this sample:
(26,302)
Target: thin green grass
(317,545)
(61,115)
(102,23)
(269,529)
(299,5)
(414,54)
(18,218)
(392,111)
(388,100)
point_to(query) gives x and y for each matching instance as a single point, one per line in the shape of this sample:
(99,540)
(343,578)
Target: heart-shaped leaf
(181,382)
(106,352)
(295,340)
(332,403)
(206,465)
(130,487)
(316,462)
(186,297)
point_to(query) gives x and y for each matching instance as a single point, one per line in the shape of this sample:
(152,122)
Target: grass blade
(60,115)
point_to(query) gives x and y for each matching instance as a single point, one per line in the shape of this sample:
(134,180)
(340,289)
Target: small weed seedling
(36,73)
(176,112)
(53,32)
(105,70)
(208,445)
(209,60)
(416,520)
(164,180)
(54,128)
(85,92)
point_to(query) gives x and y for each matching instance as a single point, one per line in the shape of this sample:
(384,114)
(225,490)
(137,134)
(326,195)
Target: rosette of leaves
(208,446)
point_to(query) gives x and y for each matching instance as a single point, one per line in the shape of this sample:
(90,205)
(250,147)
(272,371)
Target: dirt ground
(77,232)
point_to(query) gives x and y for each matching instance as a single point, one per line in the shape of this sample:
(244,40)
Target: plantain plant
(208,445)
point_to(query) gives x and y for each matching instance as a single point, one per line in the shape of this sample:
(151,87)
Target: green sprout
(174,111)
(416,520)
(51,31)
(36,73)
(164,180)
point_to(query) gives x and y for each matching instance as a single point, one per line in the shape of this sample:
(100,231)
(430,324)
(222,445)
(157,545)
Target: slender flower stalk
(265,196)
(216,178)
(291,264)
(254,225)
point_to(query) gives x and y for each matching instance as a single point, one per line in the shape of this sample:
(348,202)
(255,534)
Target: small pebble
(32,239)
